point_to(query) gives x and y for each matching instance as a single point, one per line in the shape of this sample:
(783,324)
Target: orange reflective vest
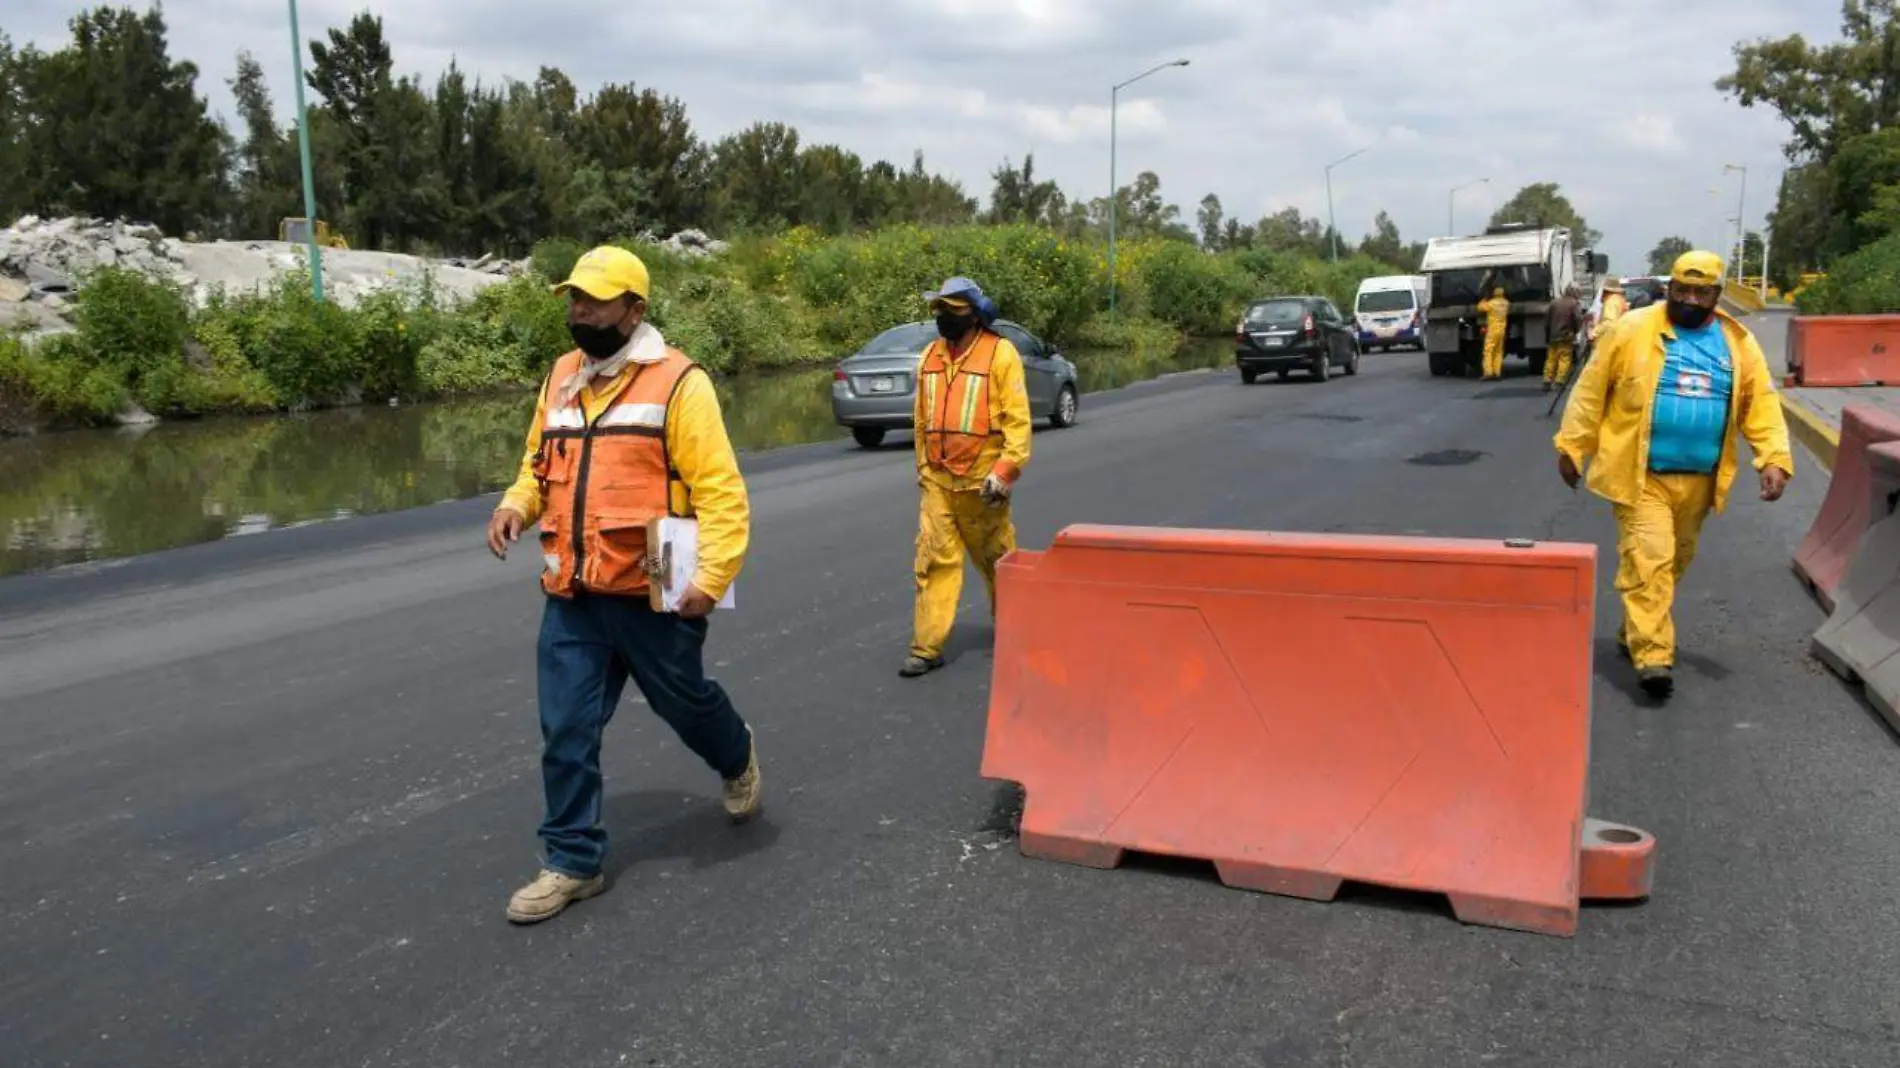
(957,406)
(604,480)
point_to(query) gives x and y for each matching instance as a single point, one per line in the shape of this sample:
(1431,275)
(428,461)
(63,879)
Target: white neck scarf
(645,346)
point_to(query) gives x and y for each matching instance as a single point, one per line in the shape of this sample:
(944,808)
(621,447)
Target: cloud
(1611,100)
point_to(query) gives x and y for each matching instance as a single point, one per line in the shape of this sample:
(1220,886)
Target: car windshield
(909,339)
(1276,312)
(1388,300)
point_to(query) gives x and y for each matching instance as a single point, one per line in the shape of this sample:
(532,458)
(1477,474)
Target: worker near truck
(1562,324)
(626,430)
(1653,419)
(972,421)
(1497,320)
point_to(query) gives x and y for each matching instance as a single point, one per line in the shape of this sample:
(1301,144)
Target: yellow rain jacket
(699,449)
(1607,420)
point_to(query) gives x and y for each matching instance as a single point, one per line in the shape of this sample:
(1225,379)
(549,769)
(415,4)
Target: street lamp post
(1451,229)
(1741,200)
(1114,191)
(1330,224)
(303,148)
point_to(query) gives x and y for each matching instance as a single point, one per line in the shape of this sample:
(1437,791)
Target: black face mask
(598,342)
(953,325)
(1689,316)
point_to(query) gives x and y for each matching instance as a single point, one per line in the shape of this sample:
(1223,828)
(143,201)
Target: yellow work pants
(1494,352)
(1557,361)
(1655,540)
(950,526)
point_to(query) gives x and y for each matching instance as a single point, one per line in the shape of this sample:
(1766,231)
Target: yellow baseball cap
(1697,269)
(606,273)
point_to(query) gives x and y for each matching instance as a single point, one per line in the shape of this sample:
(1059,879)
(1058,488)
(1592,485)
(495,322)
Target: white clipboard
(672,561)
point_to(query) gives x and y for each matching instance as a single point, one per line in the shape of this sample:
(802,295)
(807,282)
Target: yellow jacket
(697,444)
(1497,310)
(1009,413)
(1614,308)
(1606,422)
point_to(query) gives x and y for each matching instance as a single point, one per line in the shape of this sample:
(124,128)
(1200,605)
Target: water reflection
(92,495)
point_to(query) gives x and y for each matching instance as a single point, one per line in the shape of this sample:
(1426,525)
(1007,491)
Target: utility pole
(1331,224)
(1451,229)
(303,148)
(1114,191)
(1741,200)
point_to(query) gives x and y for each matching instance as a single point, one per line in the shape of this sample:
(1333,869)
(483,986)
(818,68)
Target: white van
(1390,311)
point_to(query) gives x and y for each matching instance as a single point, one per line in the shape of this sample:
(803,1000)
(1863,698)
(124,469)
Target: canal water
(67,498)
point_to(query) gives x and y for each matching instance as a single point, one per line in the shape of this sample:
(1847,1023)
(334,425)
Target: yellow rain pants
(1557,362)
(1655,541)
(952,524)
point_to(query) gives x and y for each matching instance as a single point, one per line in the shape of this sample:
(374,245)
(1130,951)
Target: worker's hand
(1567,470)
(1774,482)
(995,489)
(504,529)
(694,604)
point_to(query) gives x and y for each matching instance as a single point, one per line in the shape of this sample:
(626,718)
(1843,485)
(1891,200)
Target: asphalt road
(261,802)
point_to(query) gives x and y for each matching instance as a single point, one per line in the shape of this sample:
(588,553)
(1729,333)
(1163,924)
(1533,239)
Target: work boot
(1548,384)
(742,793)
(1657,682)
(916,665)
(551,892)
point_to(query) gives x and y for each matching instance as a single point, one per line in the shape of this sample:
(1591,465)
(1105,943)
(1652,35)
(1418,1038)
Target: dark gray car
(875,391)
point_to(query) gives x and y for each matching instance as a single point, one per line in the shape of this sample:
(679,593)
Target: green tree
(12,128)
(623,130)
(1289,231)
(1542,204)
(1211,218)
(754,177)
(1017,197)
(1385,245)
(831,189)
(111,126)
(1663,256)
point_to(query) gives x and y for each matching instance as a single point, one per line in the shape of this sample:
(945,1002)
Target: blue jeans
(588,648)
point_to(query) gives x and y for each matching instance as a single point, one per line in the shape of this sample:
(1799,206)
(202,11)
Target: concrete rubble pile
(42,261)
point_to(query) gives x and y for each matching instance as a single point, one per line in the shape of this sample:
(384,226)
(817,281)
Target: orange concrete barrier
(1849,507)
(1303,710)
(1844,350)
(1861,638)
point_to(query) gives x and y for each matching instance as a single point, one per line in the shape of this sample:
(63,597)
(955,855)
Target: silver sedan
(875,391)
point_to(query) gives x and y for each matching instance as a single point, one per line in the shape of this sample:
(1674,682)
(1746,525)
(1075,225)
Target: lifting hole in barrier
(1619,836)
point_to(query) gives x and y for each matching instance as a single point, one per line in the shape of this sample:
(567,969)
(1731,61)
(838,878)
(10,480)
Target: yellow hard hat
(1697,269)
(606,273)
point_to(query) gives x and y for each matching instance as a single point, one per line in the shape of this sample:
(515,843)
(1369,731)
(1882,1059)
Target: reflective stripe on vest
(957,406)
(604,481)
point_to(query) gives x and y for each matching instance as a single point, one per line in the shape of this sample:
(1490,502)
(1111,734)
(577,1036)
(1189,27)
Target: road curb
(1811,430)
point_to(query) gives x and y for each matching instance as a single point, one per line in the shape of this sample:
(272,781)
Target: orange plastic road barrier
(1844,350)
(1304,710)
(1849,507)
(1861,638)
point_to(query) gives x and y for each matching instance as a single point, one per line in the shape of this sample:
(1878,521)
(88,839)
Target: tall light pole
(1114,191)
(1741,199)
(303,148)
(1330,225)
(1451,229)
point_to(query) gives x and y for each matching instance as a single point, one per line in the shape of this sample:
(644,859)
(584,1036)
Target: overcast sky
(1612,99)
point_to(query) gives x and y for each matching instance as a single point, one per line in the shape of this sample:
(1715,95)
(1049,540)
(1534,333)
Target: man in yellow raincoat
(1615,306)
(1497,320)
(972,421)
(1653,417)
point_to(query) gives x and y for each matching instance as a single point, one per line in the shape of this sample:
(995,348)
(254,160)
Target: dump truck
(1533,265)
(296,231)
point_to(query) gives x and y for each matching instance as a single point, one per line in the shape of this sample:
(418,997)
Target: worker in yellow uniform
(1615,306)
(1560,329)
(972,421)
(627,430)
(1653,419)
(1497,320)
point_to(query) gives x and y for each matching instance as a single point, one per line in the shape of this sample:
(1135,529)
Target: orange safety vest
(957,406)
(604,480)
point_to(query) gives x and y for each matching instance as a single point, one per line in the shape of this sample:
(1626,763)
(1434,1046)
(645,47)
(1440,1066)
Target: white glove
(995,489)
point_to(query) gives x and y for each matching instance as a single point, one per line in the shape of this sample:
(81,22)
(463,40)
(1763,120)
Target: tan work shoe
(742,793)
(551,892)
